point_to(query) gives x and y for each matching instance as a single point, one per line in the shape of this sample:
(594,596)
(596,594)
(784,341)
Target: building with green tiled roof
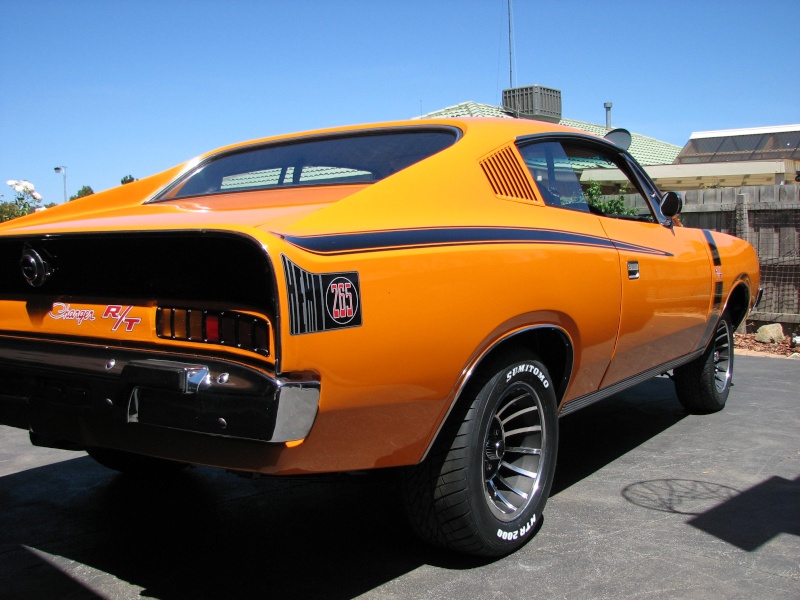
(730,158)
(646,150)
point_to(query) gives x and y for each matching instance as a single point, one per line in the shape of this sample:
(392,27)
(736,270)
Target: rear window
(365,157)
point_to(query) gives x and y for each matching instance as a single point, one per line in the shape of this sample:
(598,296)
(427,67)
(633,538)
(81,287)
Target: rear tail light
(226,327)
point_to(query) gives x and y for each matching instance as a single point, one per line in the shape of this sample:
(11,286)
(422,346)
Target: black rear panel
(198,268)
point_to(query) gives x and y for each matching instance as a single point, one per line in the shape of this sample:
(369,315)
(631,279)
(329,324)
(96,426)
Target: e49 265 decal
(341,300)
(321,301)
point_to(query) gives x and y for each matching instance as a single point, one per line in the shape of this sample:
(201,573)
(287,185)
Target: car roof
(490,128)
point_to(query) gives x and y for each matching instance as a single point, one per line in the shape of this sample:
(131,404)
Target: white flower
(36,196)
(22,186)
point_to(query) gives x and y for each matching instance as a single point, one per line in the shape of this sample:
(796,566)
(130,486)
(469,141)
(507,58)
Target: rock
(795,356)
(770,334)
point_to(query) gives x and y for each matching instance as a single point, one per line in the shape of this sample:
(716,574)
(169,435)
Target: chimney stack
(607,106)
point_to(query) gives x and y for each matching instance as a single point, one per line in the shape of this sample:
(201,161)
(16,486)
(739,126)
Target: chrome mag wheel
(703,385)
(723,363)
(485,483)
(513,459)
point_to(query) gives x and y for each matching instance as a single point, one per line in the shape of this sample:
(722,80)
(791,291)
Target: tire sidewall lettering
(522,368)
(517,534)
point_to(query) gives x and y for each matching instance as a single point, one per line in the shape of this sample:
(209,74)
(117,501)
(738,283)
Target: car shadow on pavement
(593,437)
(742,520)
(204,533)
(738,518)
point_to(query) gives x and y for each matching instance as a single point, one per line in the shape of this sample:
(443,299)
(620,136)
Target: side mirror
(671,204)
(620,137)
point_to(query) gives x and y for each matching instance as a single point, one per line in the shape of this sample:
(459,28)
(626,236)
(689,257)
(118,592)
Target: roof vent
(533,102)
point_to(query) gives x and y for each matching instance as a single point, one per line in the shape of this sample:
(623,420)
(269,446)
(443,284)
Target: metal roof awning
(707,175)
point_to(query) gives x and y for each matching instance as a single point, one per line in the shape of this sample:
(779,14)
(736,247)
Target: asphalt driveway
(648,503)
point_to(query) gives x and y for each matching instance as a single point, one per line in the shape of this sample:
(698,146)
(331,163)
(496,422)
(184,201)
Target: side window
(553,172)
(610,191)
(578,177)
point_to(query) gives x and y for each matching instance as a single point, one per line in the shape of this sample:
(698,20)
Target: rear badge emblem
(65,312)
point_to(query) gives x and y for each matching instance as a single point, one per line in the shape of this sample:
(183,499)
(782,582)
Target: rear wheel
(134,464)
(484,485)
(703,385)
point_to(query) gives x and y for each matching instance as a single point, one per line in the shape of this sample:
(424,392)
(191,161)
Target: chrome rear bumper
(70,389)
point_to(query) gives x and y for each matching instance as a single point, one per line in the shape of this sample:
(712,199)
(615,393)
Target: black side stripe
(376,241)
(717,295)
(717,298)
(713,247)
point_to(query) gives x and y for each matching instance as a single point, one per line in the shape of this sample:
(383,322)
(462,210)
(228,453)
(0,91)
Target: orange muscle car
(429,294)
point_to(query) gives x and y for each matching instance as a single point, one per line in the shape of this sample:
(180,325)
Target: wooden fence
(769,218)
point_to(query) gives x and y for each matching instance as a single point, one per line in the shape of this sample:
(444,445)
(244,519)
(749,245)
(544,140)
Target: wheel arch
(551,344)
(738,303)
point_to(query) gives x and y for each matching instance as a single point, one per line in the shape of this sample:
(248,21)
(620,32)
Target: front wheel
(484,485)
(703,385)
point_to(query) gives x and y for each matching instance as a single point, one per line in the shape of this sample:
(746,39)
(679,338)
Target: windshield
(364,157)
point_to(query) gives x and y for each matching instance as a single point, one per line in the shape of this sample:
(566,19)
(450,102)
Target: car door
(664,271)
(665,295)
(579,274)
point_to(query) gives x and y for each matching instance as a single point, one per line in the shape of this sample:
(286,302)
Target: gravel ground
(747,341)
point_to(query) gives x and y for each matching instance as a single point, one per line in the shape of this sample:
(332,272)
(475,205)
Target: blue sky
(110,88)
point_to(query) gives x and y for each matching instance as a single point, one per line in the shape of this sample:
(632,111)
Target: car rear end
(167,329)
